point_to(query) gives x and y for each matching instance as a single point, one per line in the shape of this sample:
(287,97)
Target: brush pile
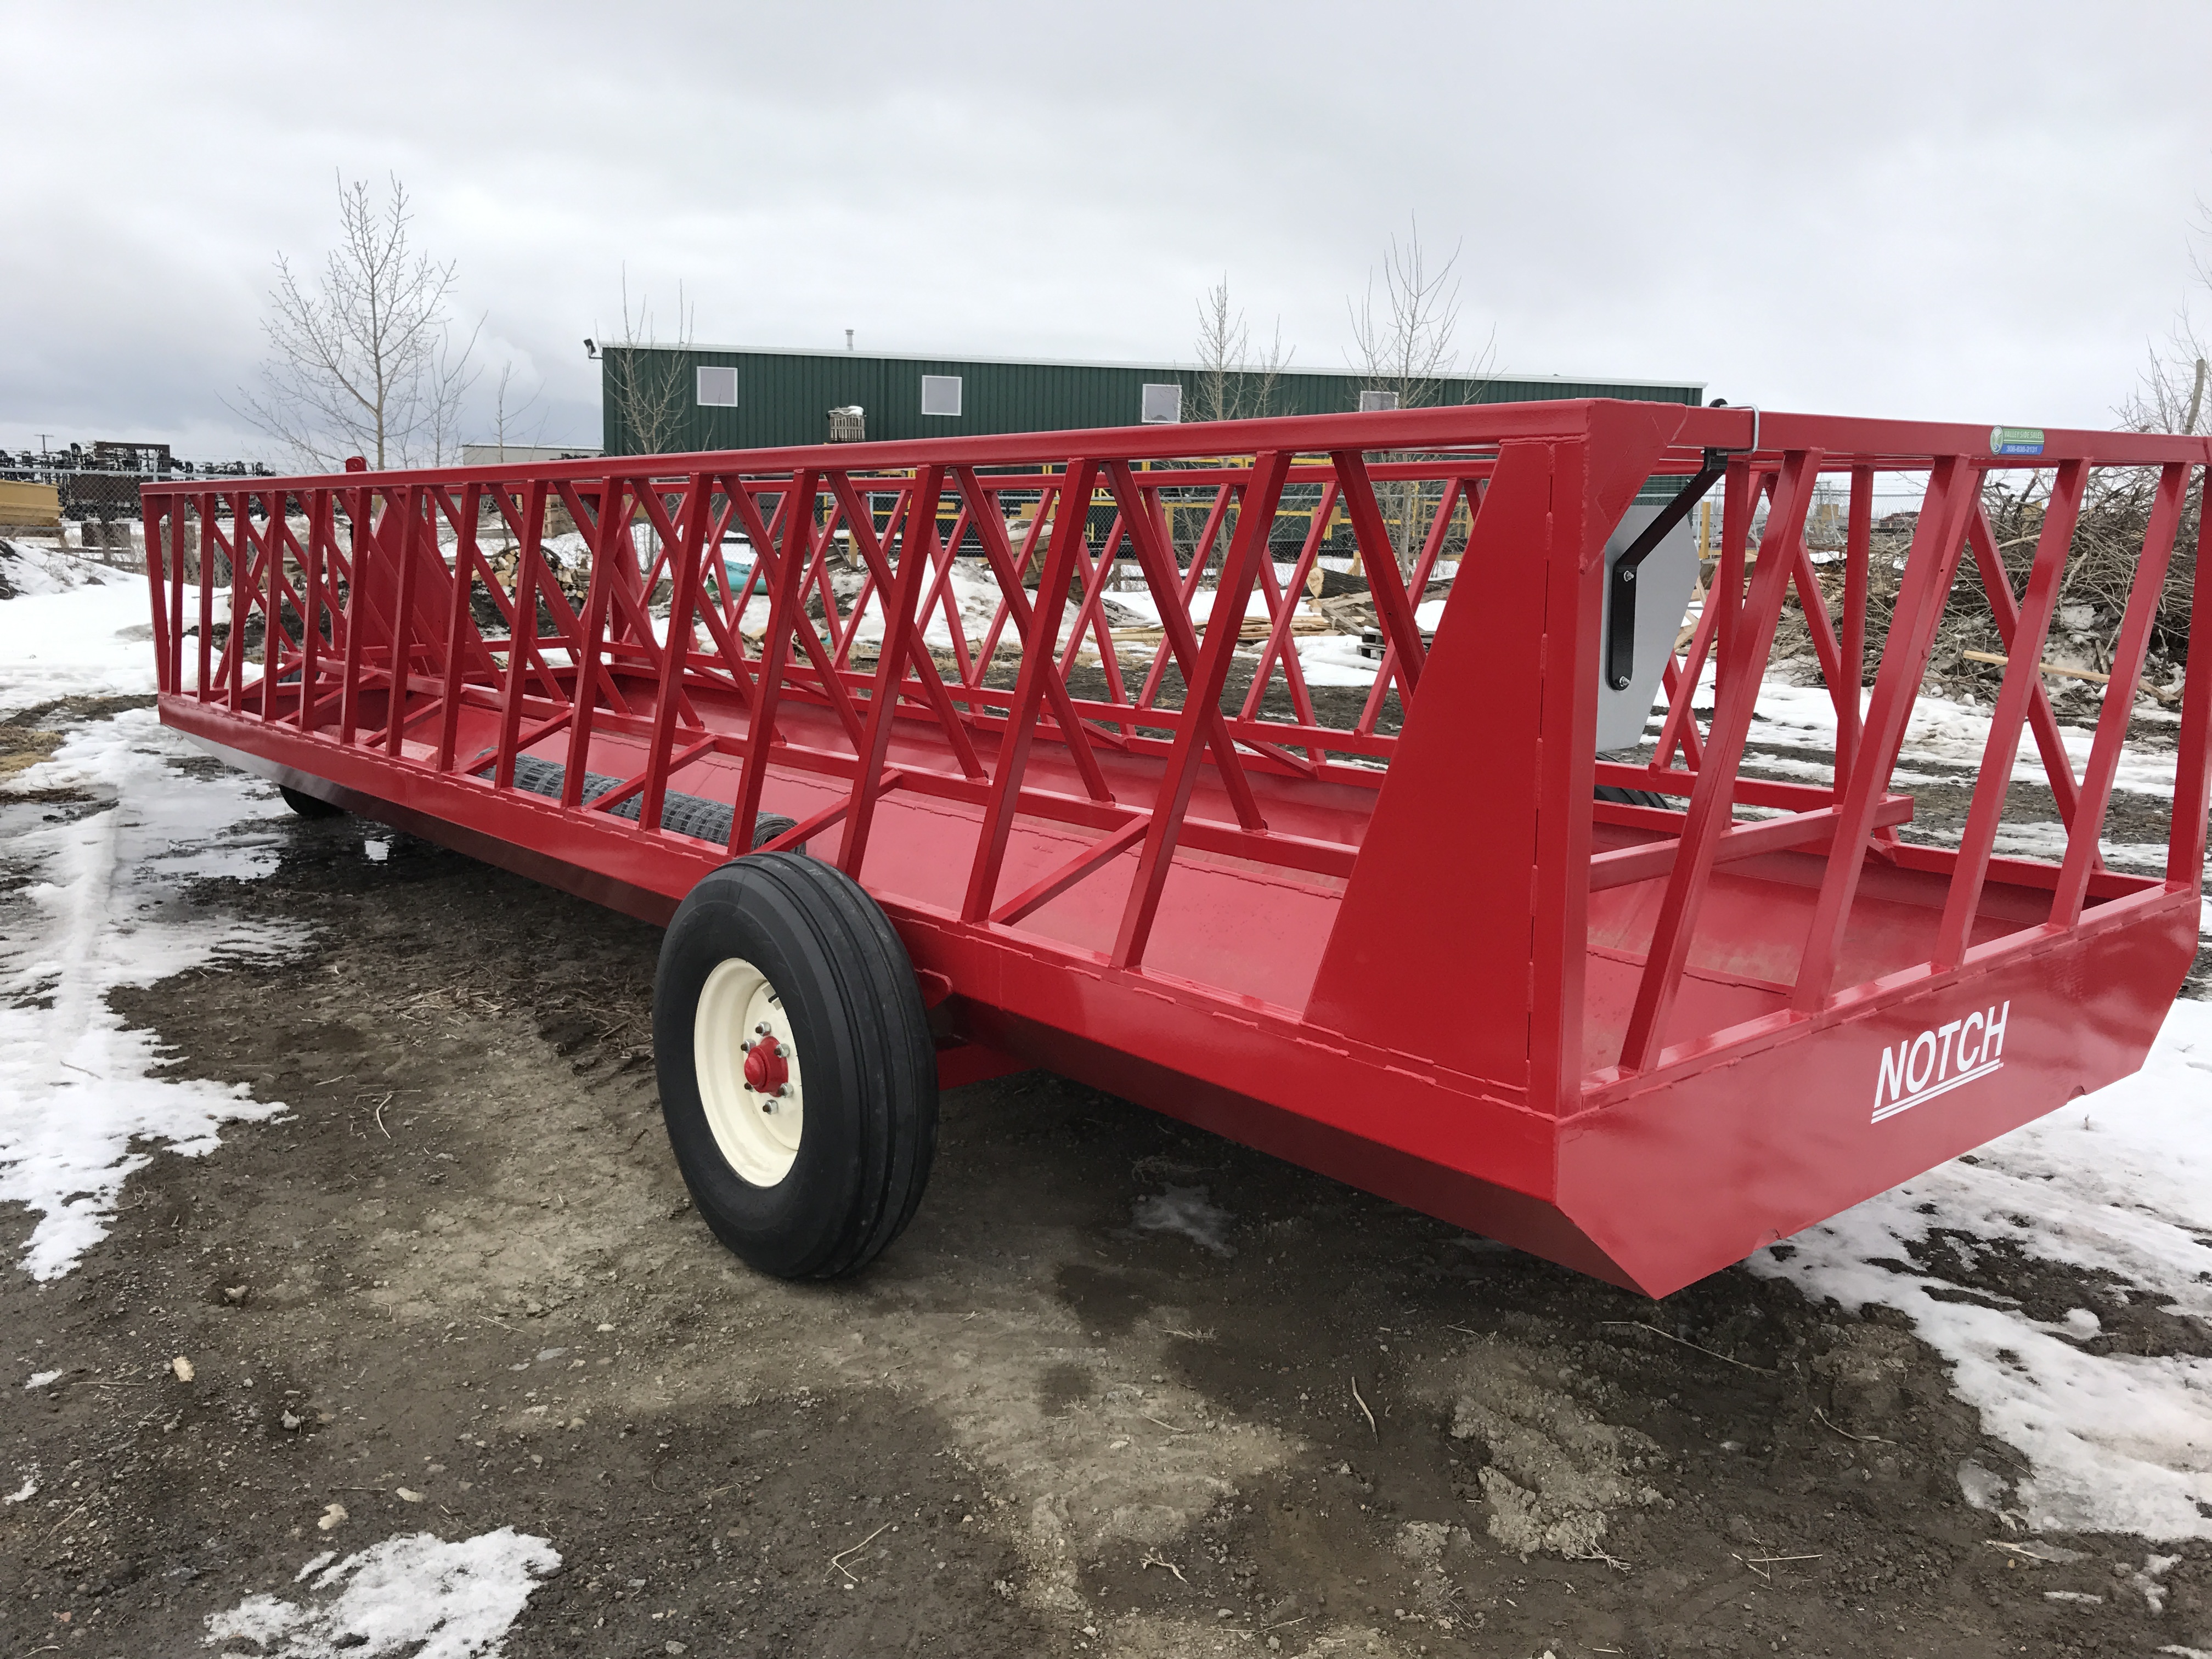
(2100,572)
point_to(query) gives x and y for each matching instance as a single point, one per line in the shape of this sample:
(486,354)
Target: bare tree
(507,415)
(1230,385)
(363,358)
(1406,346)
(1233,384)
(645,388)
(2171,395)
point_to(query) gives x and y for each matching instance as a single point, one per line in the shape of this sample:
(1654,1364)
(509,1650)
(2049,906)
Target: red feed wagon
(1637,1016)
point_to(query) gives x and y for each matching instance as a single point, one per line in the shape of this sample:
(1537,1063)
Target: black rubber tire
(1620,797)
(855,1006)
(687,815)
(309,807)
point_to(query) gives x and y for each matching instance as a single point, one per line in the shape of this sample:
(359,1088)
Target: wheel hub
(765,1070)
(747,1063)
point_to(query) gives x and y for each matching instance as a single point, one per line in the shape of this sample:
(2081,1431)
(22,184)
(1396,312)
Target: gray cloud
(1971,212)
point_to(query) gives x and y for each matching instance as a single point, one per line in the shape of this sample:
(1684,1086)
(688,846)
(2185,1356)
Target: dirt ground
(1123,1389)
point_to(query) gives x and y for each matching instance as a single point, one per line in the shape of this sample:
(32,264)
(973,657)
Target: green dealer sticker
(2015,441)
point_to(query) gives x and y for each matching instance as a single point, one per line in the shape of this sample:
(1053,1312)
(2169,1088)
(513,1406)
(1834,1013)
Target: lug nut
(745,1048)
(782,1052)
(768,1106)
(760,1030)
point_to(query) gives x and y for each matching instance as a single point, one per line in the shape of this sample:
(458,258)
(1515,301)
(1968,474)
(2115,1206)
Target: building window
(1369,401)
(940,394)
(718,388)
(1161,405)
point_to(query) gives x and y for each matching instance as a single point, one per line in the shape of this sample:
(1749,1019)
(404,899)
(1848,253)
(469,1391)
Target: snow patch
(1333,660)
(37,568)
(40,1379)
(415,1595)
(2047,841)
(101,911)
(1941,732)
(79,1106)
(70,642)
(2117,1182)
(1186,1211)
(1983,1488)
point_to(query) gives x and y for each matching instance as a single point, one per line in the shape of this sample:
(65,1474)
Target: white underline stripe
(1897,1106)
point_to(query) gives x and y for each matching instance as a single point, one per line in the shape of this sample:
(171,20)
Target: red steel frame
(1641,1042)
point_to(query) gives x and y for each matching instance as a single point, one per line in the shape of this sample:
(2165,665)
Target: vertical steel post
(357,578)
(521,634)
(320,517)
(610,534)
(154,517)
(2184,851)
(1858,540)
(683,598)
(458,621)
(411,532)
(241,604)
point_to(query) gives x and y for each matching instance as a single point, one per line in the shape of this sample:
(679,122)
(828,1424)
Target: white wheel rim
(757,1129)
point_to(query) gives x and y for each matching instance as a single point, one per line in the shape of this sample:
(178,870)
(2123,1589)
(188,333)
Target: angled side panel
(1433,952)
(1469,897)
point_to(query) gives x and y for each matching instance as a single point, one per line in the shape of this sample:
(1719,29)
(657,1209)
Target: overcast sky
(1955,211)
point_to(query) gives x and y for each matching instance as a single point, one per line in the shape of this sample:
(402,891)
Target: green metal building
(690,397)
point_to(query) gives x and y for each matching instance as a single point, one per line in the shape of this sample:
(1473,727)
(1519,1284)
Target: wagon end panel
(1697,1171)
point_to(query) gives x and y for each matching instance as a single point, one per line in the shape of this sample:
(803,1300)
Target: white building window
(1161,405)
(718,388)
(1371,401)
(940,394)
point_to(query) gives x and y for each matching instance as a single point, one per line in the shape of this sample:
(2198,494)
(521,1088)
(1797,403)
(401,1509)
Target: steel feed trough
(871,728)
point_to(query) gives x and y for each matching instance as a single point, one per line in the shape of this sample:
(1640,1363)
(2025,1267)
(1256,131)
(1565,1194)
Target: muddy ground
(1279,1417)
